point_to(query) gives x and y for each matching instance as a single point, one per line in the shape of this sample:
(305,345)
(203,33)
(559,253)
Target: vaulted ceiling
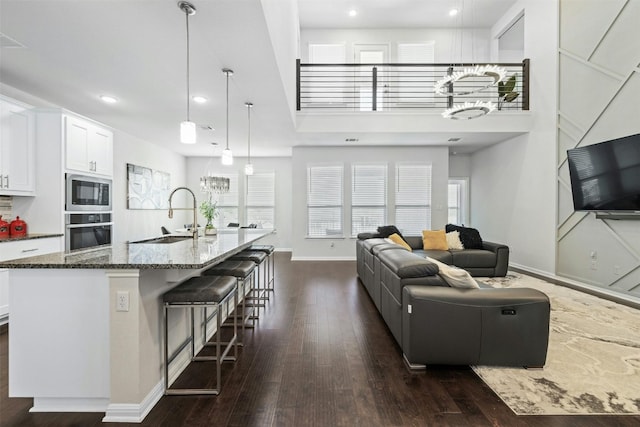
(71,52)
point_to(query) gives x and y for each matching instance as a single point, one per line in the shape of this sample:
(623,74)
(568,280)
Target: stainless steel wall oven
(87,230)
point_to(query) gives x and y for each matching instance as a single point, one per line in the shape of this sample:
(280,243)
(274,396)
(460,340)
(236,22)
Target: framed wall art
(147,188)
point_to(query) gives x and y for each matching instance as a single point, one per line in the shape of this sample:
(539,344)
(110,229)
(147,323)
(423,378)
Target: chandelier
(469,80)
(209,183)
(490,75)
(468,110)
(214,184)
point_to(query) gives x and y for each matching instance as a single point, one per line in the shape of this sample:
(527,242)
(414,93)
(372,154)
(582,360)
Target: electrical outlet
(122,301)
(616,270)
(594,265)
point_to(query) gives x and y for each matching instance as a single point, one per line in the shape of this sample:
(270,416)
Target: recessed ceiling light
(453,12)
(108,99)
(199,99)
(353,12)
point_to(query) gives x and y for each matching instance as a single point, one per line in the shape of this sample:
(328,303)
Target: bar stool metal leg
(202,292)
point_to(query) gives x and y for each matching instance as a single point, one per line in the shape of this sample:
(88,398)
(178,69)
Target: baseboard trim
(413,366)
(64,404)
(577,285)
(314,258)
(132,412)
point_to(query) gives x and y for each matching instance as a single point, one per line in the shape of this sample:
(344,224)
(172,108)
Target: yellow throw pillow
(436,240)
(395,237)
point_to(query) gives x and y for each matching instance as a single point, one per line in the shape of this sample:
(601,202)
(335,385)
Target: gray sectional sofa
(491,260)
(437,324)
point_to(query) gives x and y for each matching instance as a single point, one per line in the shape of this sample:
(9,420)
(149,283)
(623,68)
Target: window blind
(457,200)
(413,198)
(368,197)
(260,202)
(227,202)
(454,203)
(324,201)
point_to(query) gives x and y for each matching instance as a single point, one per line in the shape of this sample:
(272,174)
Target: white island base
(72,351)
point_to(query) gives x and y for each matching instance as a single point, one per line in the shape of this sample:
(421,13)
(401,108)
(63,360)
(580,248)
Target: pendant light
(248,168)
(187,128)
(227,155)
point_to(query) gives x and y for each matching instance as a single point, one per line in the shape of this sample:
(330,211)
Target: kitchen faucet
(194,225)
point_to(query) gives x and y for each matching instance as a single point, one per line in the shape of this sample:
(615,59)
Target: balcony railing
(387,87)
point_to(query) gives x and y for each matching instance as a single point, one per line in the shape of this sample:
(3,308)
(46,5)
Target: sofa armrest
(502,256)
(365,236)
(504,327)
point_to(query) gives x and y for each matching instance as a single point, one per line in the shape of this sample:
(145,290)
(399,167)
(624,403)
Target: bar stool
(259,258)
(243,272)
(271,265)
(201,292)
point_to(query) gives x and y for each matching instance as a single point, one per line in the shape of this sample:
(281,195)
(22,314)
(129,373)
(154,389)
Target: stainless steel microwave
(88,193)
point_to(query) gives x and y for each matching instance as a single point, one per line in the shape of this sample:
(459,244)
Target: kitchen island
(73,348)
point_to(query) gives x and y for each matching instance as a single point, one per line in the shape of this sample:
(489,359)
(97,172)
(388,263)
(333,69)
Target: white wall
(448,42)
(284,30)
(139,224)
(512,183)
(599,84)
(459,165)
(344,248)
(196,167)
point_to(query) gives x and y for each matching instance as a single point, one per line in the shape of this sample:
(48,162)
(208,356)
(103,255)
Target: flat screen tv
(606,176)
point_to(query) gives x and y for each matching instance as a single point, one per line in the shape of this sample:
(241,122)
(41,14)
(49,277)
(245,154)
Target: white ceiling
(400,13)
(134,50)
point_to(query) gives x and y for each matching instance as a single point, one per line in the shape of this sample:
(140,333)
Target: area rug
(593,360)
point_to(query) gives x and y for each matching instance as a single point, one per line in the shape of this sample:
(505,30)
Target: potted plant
(209,209)
(506,92)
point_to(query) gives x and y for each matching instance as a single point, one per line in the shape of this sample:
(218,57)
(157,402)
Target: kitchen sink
(164,240)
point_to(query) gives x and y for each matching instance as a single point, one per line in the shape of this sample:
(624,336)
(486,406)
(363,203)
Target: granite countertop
(185,253)
(30,236)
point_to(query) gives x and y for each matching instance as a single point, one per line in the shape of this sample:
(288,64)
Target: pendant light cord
(249,133)
(227,72)
(186,14)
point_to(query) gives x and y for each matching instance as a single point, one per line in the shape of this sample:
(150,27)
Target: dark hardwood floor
(320,356)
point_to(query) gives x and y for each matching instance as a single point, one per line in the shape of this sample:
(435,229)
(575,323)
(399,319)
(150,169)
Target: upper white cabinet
(88,147)
(17,149)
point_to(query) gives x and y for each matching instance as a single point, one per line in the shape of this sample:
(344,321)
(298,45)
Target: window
(415,84)
(413,198)
(328,88)
(227,203)
(458,196)
(324,201)
(260,200)
(368,197)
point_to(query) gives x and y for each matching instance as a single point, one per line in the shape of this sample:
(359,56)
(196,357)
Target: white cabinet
(88,147)
(21,249)
(4,295)
(17,149)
